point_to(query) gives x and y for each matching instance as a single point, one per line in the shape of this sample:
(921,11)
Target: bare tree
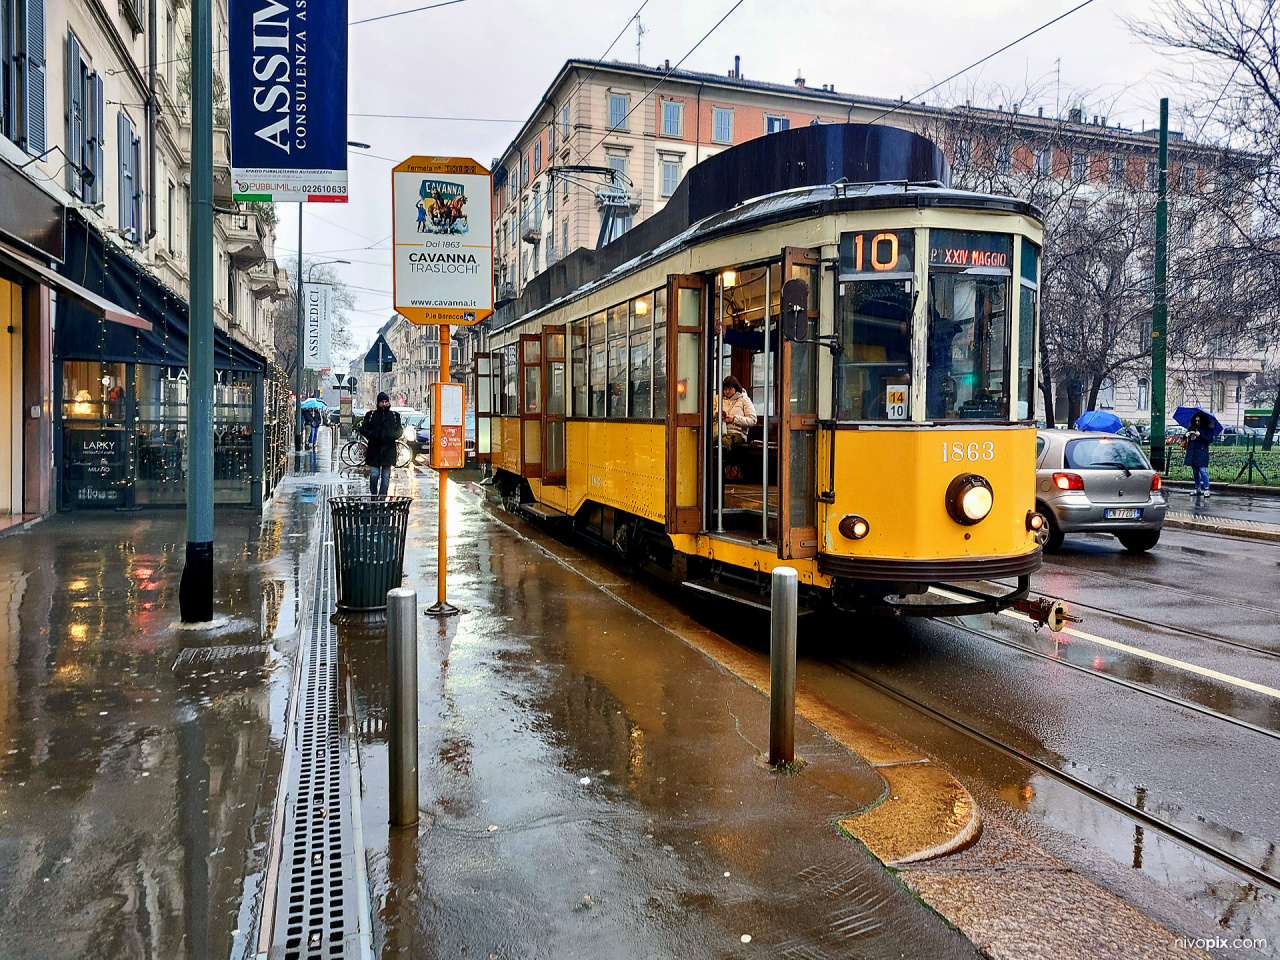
(1231,50)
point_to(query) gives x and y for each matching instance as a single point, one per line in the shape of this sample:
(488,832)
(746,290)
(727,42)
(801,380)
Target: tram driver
(736,411)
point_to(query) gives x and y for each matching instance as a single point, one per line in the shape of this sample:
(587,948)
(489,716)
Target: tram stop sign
(442,240)
(447,412)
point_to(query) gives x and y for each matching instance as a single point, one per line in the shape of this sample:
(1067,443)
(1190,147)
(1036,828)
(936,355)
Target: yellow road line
(1139,652)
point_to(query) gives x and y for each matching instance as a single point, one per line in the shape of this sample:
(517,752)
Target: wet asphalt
(1260,508)
(136,785)
(592,786)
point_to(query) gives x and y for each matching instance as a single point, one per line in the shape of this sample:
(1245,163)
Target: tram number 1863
(960,452)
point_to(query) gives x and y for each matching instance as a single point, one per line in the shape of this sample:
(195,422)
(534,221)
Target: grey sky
(494,59)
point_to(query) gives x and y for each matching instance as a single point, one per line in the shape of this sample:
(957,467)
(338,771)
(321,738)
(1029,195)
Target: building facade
(96,138)
(417,352)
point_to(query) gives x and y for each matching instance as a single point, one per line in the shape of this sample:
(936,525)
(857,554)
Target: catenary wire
(401,13)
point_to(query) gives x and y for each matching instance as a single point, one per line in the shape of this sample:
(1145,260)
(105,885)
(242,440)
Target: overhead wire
(401,13)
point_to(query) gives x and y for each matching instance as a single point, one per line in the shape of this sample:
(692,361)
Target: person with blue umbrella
(1099,421)
(1202,427)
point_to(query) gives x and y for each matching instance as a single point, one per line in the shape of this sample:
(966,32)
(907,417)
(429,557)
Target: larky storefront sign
(442,234)
(288,86)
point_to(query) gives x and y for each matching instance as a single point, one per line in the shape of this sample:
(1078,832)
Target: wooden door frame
(528,469)
(556,479)
(487,395)
(796,542)
(686,519)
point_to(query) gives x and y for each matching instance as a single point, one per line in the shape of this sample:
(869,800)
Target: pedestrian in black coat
(381,429)
(1199,437)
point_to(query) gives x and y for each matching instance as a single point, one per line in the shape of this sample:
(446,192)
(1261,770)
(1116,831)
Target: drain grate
(317,913)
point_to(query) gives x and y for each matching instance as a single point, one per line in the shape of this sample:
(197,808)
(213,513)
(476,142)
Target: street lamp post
(297,421)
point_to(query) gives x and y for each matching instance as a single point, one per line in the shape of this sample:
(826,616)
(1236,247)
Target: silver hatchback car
(1097,483)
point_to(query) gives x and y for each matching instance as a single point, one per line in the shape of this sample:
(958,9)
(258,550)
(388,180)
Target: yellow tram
(882,324)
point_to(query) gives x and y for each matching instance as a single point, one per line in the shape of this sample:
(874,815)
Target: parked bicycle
(352,453)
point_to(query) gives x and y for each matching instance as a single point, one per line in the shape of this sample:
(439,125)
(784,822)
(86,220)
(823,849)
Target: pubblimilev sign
(442,236)
(288,86)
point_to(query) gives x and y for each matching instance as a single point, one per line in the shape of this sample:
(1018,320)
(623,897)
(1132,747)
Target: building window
(1107,395)
(1117,171)
(564,120)
(170,212)
(130,170)
(672,118)
(1153,175)
(722,125)
(551,139)
(1079,167)
(22,52)
(1188,178)
(670,176)
(1043,159)
(524,170)
(564,238)
(773,124)
(1144,394)
(537,157)
(964,152)
(1219,394)
(618,162)
(1002,158)
(617,111)
(85,138)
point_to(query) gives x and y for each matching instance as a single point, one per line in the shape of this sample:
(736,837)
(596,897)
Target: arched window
(1107,394)
(1219,394)
(1144,394)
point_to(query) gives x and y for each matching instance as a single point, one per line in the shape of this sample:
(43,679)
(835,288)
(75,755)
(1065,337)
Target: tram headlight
(854,527)
(1035,521)
(969,499)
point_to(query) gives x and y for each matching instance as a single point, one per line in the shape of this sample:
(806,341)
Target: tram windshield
(874,368)
(968,346)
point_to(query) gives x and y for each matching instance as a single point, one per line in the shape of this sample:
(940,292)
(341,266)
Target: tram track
(1242,604)
(1127,684)
(1224,858)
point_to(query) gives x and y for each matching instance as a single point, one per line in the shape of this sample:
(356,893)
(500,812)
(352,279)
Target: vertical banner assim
(317,326)
(442,235)
(288,86)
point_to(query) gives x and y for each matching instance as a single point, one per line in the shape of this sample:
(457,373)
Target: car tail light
(1068,481)
(1156,482)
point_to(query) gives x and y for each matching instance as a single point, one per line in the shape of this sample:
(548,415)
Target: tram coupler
(1046,612)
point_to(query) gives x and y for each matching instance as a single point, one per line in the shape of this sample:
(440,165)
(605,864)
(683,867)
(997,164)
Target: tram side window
(599,383)
(640,398)
(1027,331)
(617,353)
(969,326)
(510,381)
(875,335)
(660,353)
(578,362)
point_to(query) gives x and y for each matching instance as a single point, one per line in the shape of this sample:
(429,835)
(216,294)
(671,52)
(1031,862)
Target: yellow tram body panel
(618,464)
(897,480)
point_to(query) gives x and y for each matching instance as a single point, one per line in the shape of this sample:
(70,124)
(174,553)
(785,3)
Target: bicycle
(352,453)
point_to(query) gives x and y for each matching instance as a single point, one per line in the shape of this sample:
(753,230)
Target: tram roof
(585,271)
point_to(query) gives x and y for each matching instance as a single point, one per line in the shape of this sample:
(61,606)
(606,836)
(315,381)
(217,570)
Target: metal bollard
(782,666)
(402,709)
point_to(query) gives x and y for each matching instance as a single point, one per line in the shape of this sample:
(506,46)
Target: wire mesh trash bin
(368,540)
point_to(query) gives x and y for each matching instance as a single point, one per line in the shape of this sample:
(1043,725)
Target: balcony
(222,165)
(267,280)
(245,239)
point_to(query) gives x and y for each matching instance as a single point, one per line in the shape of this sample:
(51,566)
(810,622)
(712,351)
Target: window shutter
(97,138)
(124,155)
(75,117)
(135,166)
(33,47)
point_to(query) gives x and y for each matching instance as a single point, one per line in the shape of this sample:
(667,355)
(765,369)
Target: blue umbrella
(1182,416)
(1102,421)
(312,403)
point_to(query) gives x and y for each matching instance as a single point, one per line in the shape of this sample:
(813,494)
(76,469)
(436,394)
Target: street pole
(379,369)
(783,612)
(402,696)
(195,595)
(297,434)
(1159,311)
(442,607)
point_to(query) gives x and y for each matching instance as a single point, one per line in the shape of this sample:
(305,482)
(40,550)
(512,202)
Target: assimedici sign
(288,84)
(442,235)
(318,328)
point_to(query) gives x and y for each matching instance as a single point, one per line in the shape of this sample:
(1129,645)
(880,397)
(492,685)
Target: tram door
(555,399)
(684,403)
(530,362)
(798,421)
(482,390)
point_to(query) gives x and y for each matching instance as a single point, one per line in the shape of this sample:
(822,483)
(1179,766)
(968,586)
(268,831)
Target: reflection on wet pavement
(591,786)
(135,798)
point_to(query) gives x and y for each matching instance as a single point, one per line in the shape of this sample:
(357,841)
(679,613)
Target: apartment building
(609,142)
(417,351)
(95,137)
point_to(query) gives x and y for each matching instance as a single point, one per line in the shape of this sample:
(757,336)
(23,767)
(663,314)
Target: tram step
(727,592)
(543,512)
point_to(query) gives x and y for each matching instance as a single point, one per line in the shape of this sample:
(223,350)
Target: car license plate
(1123,513)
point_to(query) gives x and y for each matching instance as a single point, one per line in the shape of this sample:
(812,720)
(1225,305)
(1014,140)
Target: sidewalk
(1241,515)
(138,762)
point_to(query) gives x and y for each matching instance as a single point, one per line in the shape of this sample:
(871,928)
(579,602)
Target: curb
(1249,529)
(1252,490)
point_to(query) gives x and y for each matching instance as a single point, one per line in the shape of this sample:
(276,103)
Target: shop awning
(100,305)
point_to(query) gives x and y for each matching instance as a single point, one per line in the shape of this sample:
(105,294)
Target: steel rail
(1176,833)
